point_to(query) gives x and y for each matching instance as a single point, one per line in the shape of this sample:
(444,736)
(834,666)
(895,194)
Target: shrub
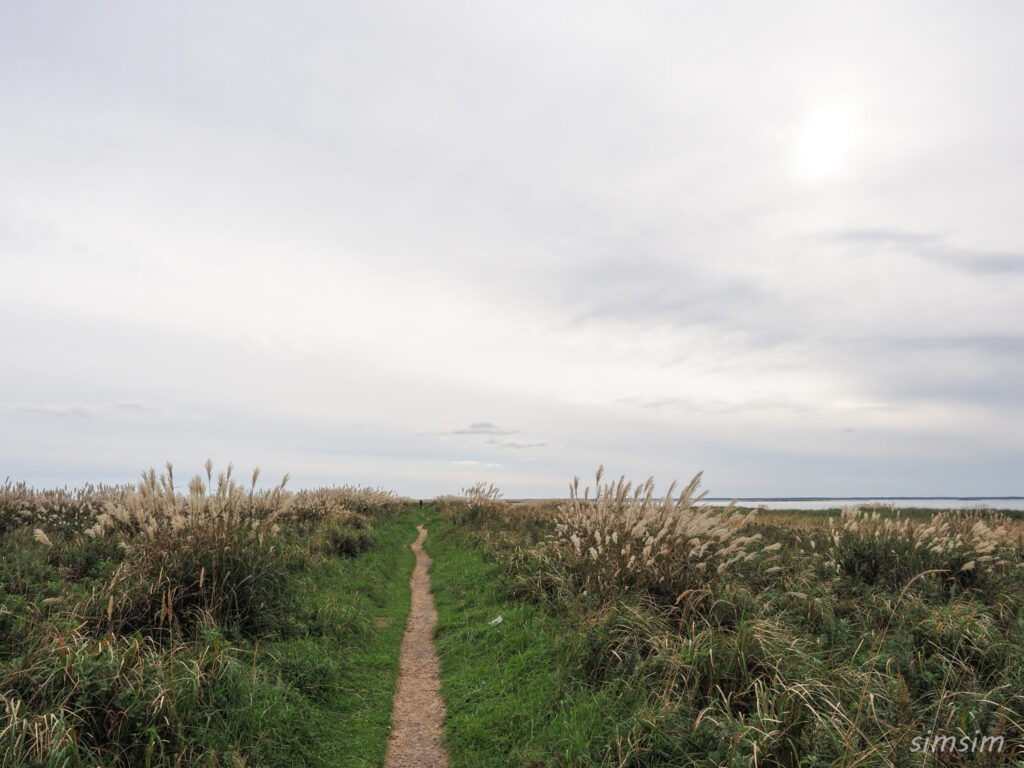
(310,507)
(478,505)
(347,534)
(119,701)
(84,557)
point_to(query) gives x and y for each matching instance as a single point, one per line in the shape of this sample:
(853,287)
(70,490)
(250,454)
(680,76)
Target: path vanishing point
(418,715)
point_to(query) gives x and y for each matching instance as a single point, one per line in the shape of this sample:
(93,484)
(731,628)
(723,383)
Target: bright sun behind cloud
(824,143)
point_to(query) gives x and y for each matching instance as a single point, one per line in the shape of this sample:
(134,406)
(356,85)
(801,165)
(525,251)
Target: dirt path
(418,716)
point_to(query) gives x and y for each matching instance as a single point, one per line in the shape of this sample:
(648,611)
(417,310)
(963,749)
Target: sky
(421,245)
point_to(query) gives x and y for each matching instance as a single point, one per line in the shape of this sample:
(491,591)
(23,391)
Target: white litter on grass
(495,622)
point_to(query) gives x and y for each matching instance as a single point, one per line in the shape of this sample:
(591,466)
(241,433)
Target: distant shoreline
(863,498)
(997,503)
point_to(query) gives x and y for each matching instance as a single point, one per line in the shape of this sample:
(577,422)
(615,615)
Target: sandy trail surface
(418,716)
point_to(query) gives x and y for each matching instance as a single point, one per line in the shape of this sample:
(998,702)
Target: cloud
(135,407)
(981,262)
(934,247)
(881,236)
(494,434)
(517,445)
(716,406)
(1011,345)
(476,428)
(966,388)
(907,371)
(126,410)
(644,280)
(61,410)
(482,428)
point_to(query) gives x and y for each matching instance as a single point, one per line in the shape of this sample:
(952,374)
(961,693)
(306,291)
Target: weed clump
(60,512)
(346,534)
(715,638)
(480,505)
(627,539)
(211,556)
(311,506)
(960,550)
(132,618)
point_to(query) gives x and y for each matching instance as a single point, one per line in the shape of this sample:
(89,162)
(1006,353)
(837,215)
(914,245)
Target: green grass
(315,691)
(507,702)
(802,665)
(827,648)
(347,680)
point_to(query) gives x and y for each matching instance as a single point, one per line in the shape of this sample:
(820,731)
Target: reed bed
(126,612)
(964,549)
(60,510)
(738,639)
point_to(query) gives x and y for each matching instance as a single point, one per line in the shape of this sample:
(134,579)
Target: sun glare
(823,143)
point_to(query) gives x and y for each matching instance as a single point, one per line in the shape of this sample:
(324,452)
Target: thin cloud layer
(935,247)
(482,428)
(420,247)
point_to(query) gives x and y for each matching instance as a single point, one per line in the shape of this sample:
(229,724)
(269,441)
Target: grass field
(218,628)
(214,624)
(643,633)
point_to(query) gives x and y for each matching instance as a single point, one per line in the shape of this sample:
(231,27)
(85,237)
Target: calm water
(1016,503)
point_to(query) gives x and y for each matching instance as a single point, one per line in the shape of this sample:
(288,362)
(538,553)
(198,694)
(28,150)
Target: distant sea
(963,502)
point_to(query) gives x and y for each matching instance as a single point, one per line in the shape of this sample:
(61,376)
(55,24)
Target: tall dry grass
(627,538)
(60,511)
(161,561)
(132,618)
(321,503)
(960,549)
(729,640)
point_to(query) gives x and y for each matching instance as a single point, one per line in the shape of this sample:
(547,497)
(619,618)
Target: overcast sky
(418,245)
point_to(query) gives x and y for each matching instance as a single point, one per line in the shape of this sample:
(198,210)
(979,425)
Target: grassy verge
(508,703)
(230,629)
(863,640)
(345,681)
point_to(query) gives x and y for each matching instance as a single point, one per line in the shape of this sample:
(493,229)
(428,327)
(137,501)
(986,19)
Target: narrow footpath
(418,716)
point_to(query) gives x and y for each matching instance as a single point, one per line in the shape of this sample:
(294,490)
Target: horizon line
(822,498)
